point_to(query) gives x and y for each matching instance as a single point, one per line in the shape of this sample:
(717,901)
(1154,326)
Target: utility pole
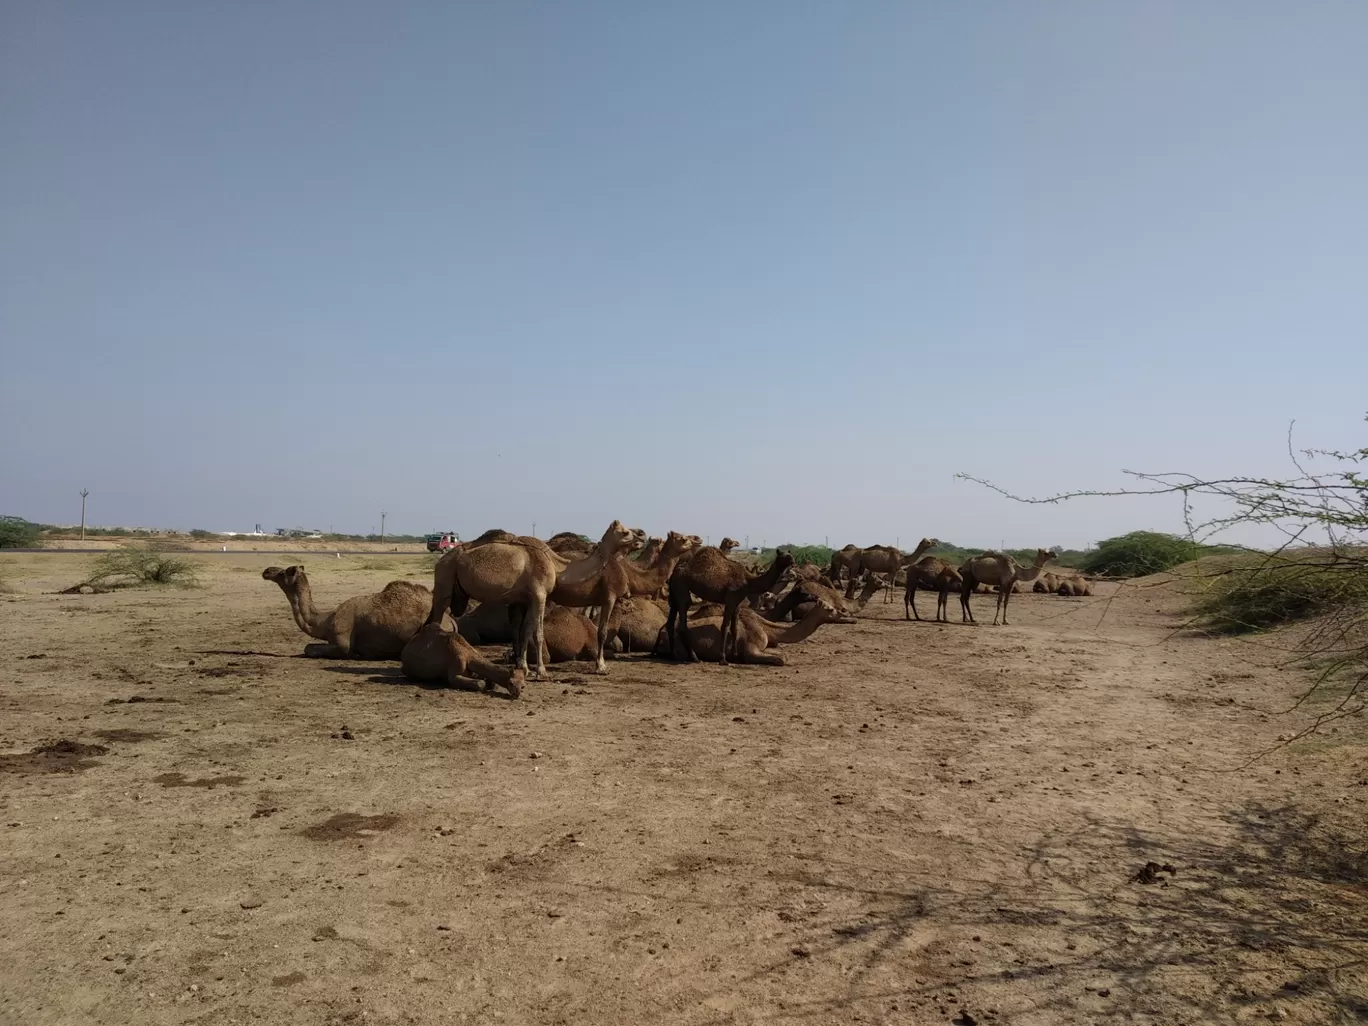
(84,493)
(383,514)
(534,529)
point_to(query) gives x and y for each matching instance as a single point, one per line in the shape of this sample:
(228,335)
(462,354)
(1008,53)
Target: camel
(1000,569)
(569,544)
(649,551)
(883,559)
(1046,584)
(522,572)
(933,574)
(1073,585)
(437,654)
(375,626)
(753,635)
(726,545)
(799,600)
(489,623)
(843,559)
(637,623)
(713,577)
(619,578)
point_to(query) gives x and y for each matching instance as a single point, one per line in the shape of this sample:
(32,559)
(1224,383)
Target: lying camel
(1046,584)
(754,635)
(799,599)
(1074,585)
(375,626)
(438,654)
(638,622)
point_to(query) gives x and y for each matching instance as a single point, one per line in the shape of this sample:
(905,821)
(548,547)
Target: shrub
(135,565)
(199,534)
(1141,553)
(18,533)
(1256,594)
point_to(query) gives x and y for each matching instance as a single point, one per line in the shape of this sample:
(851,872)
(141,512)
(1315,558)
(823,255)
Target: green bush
(18,533)
(135,565)
(1266,591)
(1141,553)
(199,534)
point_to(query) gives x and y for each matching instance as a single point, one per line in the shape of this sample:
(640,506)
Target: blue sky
(771,269)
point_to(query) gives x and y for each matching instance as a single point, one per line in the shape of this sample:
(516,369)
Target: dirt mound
(61,756)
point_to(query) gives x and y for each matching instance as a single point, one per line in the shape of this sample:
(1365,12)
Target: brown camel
(933,574)
(883,559)
(1000,569)
(489,623)
(713,577)
(437,654)
(843,560)
(1046,584)
(570,545)
(619,578)
(637,622)
(375,626)
(799,600)
(523,572)
(1073,585)
(753,635)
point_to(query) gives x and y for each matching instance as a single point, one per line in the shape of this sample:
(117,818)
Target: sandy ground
(910,823)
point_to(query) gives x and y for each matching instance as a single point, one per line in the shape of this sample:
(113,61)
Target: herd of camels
(566,599)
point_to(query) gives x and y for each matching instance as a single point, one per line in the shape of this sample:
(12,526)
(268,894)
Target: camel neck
(302,605)
(800,631)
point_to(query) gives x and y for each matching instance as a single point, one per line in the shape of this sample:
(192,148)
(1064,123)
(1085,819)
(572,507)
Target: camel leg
(748,653)
(323,650)
(997,608)
(942,600)
(730,611)
(1006,596)
(684,636)
(520,644)
(536,612)
(966,614)
(605,611)
(850,588)
(910,599)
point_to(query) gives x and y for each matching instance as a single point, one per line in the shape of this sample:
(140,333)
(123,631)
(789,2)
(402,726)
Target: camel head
(827,612)
(289,578)
(727,544)
(639,539)
(1043,556)
(677,544)
(783,560)
(617,538)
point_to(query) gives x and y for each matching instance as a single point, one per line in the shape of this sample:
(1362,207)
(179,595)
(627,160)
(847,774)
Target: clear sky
(768,269)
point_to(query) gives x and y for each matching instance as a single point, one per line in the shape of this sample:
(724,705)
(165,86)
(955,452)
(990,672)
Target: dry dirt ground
(910,823)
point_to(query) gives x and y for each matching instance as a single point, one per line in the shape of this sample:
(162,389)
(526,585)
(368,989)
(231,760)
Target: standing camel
(619,578)
(710,575)
(522,572)
(934,574)
(1002,570)
(883,559)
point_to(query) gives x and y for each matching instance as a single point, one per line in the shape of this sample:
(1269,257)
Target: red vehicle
(443,542)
